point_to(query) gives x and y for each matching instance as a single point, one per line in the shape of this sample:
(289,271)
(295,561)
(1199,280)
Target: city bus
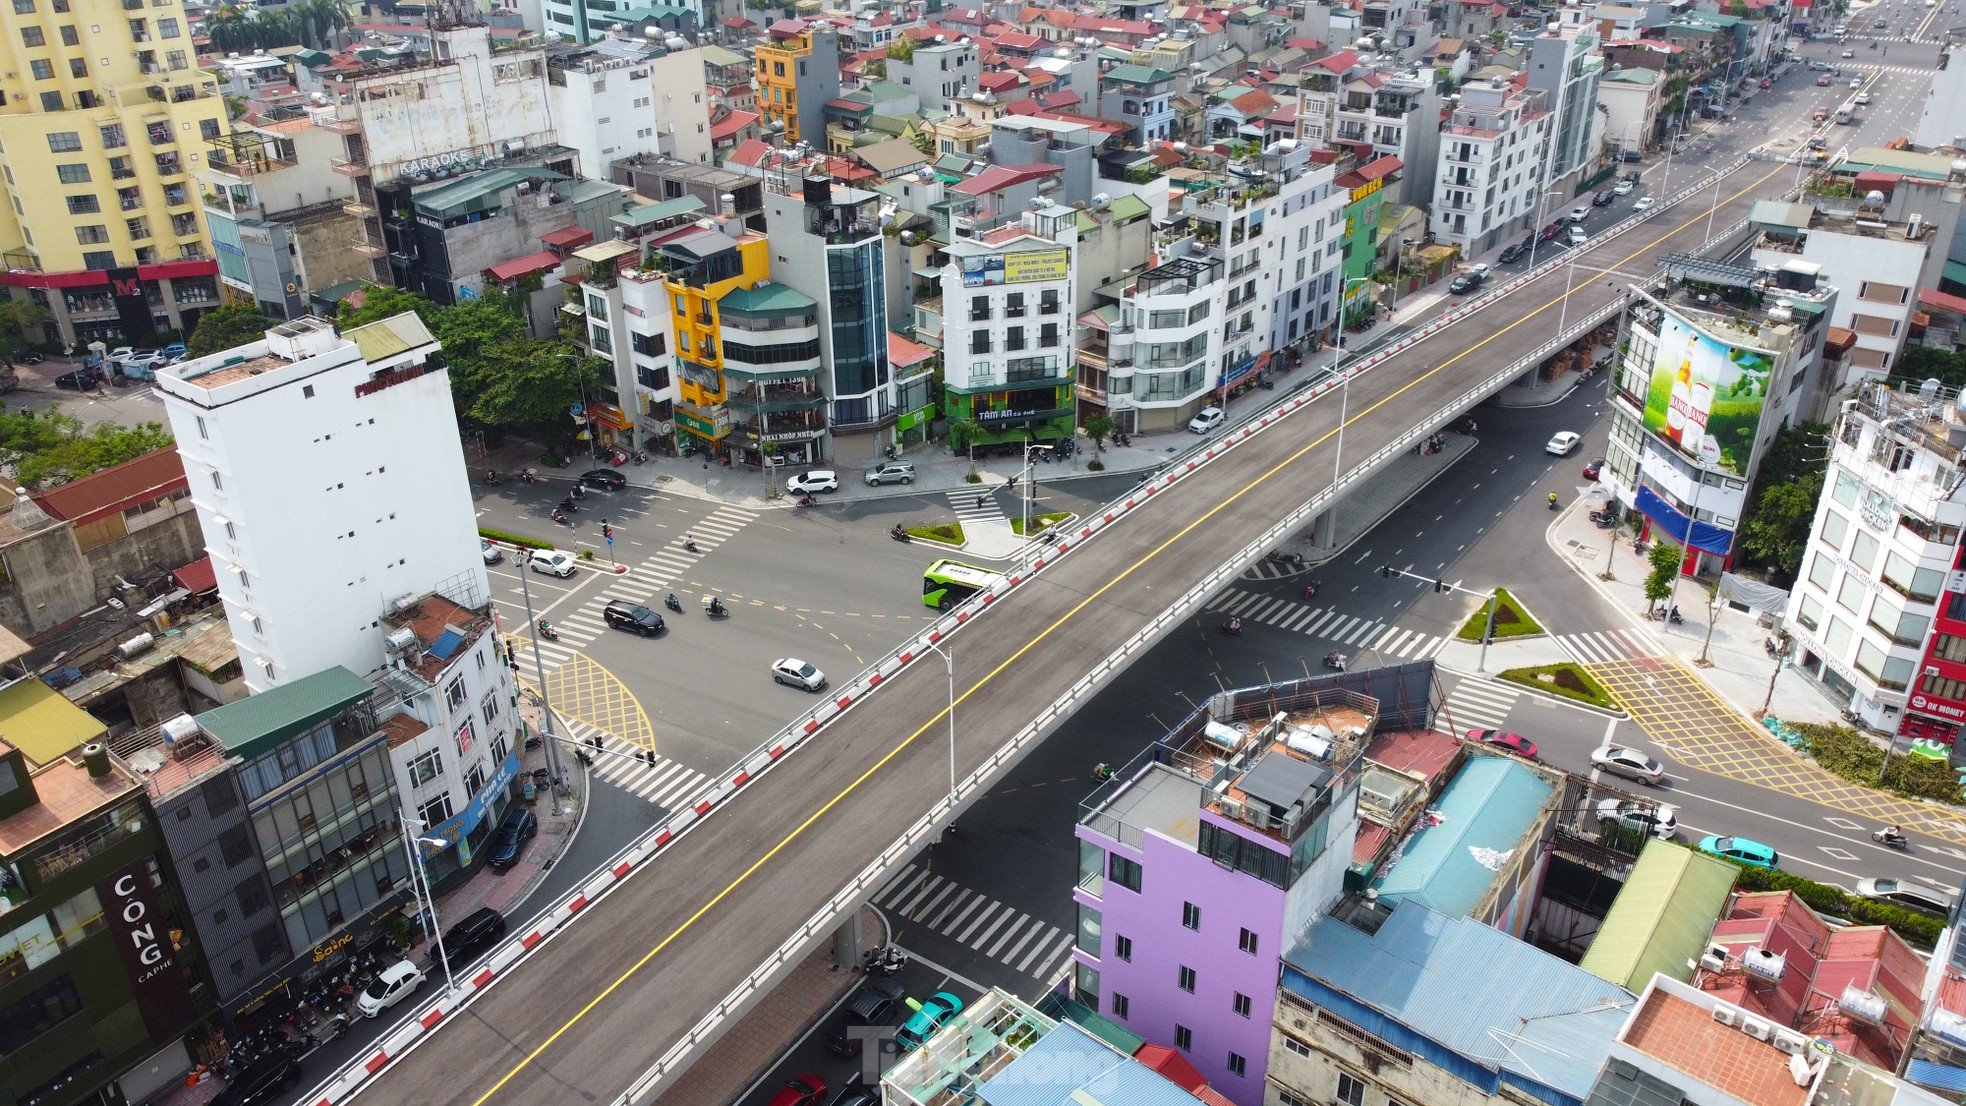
(948,582)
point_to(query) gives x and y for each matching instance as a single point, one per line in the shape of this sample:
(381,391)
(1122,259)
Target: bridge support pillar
(1324,530)
(846,943)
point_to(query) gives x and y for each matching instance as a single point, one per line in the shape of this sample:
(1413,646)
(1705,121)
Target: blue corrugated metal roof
(1068,1060)
(1925,1073)
(1490,804)
(1455,988)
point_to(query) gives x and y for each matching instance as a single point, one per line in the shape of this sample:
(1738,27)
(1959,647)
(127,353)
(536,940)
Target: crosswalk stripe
(1036,927)
(1267,607)
(1037,950)
(1062,954)
(963,895)
(1297,621)
(922,909)
(974,902)
(927,886)
(1004,915)
(1391,640)
(916,875)
(1358,636)
(991,904)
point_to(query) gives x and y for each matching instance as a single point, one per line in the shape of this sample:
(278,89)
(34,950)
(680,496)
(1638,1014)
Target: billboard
(1024,267)
(1705,396)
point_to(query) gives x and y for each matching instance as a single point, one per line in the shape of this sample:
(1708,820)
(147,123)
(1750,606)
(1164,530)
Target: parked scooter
(885,960)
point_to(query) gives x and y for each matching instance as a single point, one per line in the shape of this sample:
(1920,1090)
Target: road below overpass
(586,1014)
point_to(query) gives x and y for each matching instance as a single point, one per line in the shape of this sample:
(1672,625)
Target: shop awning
(610,415)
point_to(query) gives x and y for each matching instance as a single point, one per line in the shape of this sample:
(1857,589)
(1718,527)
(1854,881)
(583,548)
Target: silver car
(1617,760)
(1658,819)
(797,673)
(1907,894)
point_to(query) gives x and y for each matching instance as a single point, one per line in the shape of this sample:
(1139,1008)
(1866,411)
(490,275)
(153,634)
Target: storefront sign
(158,978)
(1369,188)
(457,827)
(1933,705)
(332,945)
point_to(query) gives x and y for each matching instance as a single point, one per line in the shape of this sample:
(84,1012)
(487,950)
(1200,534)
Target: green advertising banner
(1705,395)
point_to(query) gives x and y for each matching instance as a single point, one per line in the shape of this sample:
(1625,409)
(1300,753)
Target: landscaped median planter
(1568,680)
(938,533)
(1511,620)
(1039,523)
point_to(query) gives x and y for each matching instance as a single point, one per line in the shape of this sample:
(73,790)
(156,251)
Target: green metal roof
(465,193)
(1662,918)
(1137,74)
(385,338)
(642,215)
(257,723)
(768,298)
(717,55)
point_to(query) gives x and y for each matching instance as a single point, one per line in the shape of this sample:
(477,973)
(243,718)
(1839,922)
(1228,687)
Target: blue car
(929,1017)
(174,352)
(1740,850)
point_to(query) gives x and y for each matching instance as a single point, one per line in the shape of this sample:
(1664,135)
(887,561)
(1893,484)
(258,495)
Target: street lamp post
(1028,475)
(426,901)
(1536,232)
(1344,388)
(1714,206)
(949,663)
(1563,309)
(586,415)
(551,740)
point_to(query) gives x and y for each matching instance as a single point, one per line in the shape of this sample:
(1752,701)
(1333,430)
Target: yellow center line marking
(933,724)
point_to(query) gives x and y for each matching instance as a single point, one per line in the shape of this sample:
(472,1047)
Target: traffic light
(1440,585)
(606,530)
(1386,571)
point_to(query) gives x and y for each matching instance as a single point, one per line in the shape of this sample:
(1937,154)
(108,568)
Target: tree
(1097,427)
(225,327)
(528,384)
(380,302)
(1782,506)
(468,331)
(962,436)
(51,449)
(21,323)
(1919,362)
(1665,558)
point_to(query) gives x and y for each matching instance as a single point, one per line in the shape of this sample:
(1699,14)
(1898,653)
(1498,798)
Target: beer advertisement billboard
(1705,396)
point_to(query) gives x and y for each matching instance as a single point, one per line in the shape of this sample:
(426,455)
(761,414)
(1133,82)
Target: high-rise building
(104,116)
(1565,67)
(1492,154)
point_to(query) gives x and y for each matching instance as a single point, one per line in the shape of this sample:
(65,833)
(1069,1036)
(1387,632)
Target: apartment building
(1942,121)
(798,72)
(98,994)
(1935,1057)
(624,98)
(1006,310)
(826,244)
(1491,167)
(1631,100)
(1883,546)
(279,219)
(1140,98)
(1875,261)
(1203,857)
(104,120)
(1382,113)
(1565,66)
(1710,370)
(938,73)
(406,125)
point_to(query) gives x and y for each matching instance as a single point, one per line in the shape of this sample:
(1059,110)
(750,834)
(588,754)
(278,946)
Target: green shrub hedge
(1510,619)
(1828,899)
(1566,679)
(1844,752)
(514,539)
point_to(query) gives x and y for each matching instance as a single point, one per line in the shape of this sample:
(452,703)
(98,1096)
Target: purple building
(1203,860)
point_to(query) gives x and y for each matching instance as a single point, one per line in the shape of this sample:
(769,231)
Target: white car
(1580,213)
(1643,203)
(797,673)
(1563,443)
(1856,82)
(1623,188)
(553,562)
(1905,893)
(1576,236)
(1863,99)
(392,985)
(818,480)
(1207,419)
(1658,819)
(143,359)
(1617,760)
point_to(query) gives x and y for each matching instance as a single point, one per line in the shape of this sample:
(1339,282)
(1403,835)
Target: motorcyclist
(545,628)
(559,515)
(1552,499)
(1892,833)
(716,605)
(1234,625)
(689,543)
(672,602)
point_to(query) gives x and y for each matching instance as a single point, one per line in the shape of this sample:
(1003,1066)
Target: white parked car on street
(818,480)
(1563,443)
(392,985)
(1207,419)
(797,673)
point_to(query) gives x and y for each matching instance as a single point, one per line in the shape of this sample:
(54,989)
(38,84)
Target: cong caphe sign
(1705,396)
(133,911)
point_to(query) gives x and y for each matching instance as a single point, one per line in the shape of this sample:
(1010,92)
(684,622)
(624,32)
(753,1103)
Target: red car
(1506,741)
(1596,466)
(806,1090)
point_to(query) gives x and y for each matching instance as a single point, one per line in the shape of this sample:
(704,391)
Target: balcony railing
(349,166)
(366,248)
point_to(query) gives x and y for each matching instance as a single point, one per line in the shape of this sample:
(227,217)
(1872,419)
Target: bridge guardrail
(413,1029)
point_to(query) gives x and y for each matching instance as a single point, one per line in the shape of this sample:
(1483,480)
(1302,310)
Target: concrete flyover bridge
(607,995)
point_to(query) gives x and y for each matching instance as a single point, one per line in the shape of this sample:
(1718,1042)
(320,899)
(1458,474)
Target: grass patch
(1038,522)
(1510,620)
(948,533)
(1566,679)
(1842,751)
(514,539)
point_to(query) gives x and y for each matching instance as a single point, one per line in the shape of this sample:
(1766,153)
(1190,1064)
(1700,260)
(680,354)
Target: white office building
(338,515)
(1492,155)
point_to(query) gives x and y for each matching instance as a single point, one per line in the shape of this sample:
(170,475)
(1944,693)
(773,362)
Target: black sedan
(606,479)
(80,380)
(1514,253)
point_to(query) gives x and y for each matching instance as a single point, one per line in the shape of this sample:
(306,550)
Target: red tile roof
(750,153)
(115,489)
(731,124)
(567,238)
(902,351)
(1944,301)
(1338,62)
(524,266)
(998,177)
(1682,1036)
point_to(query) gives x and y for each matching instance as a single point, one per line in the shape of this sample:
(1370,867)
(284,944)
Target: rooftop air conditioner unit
(1230,808)
(1790,1042)
(1714,959)
(404,603)
(1756,1028)
(1725,1014)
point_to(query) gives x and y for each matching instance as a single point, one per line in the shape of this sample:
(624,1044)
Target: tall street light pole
(1344,389)
(426,901)
(552,740)
(1028,474)
(949,663)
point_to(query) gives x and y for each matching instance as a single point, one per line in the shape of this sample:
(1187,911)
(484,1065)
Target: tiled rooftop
(68,794)
(1685,1037)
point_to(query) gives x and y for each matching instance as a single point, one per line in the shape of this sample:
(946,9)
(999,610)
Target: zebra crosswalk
(974,505)
(1477,703)
(976,921)
(1604,645)
(665,783)
(1328,624)
(651,577)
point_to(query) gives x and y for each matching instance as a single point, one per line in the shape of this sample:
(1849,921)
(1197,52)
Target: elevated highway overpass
(613,1006)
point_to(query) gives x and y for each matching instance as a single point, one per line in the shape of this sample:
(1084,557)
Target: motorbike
(689,545)
(1553,502)
(885,960)
(1335,661)
(1291,559)
(1887,838)
(561,517)
(1311,589)
(332,1030)
(673,603)
(492,477)
(1673,616)
(526,477)
(641,456)
(900,535)
(1232,627)
(713,607)
(893,453)
(568,505)
(805,499)
(547,631)
(1102,772)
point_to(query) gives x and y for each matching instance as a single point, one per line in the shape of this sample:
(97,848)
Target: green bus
(948,582)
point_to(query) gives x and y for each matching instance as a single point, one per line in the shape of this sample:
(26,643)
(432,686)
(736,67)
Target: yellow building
(798,69)
(104,116)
